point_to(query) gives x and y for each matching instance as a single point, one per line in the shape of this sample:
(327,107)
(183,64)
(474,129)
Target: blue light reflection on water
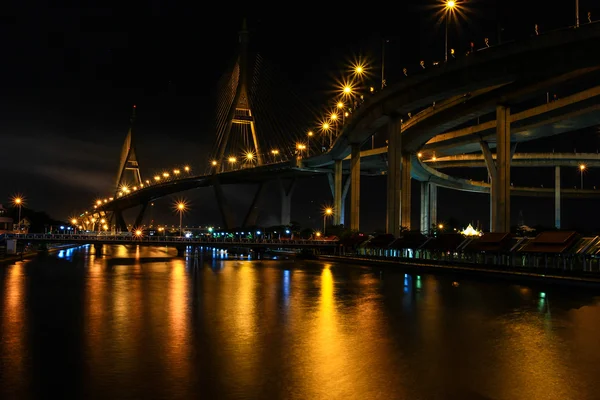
(66,253)
(286,286)
(407,283)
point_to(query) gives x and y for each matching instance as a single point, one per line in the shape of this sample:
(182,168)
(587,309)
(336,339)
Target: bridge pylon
(239,112)
(128,174)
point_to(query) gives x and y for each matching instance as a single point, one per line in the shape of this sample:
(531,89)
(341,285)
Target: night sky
(71,75)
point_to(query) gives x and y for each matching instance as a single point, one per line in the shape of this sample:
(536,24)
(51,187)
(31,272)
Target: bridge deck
(173,241)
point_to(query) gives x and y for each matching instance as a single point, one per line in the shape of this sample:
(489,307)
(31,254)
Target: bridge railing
(165,239)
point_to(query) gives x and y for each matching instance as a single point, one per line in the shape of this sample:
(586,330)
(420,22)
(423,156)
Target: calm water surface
(129,325)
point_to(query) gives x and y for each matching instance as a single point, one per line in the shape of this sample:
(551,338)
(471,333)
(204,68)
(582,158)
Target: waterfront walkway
(546,275)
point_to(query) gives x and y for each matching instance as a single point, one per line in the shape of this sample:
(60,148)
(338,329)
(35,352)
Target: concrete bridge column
(339,191)
(355,191)
(120,221)
(425,208)
(224,207)
(428,206)
(140,216)
(503,152)
(286,200)
(557,197)
(252,215)
(405,201)
(98,249)
(394,177)
(433,192)
(492,173)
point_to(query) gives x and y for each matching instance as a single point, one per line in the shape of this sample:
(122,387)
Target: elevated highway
(471,87)
(520,160)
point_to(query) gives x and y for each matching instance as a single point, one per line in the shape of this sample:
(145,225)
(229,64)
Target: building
(6,222)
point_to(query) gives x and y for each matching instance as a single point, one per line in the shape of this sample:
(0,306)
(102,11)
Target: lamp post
(180,209)
(74,223)
(450,4)
(18,202)
(328,211)
(577,13)
(581,169)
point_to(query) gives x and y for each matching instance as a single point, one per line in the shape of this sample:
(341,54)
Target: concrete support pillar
(394,177)
(344,196)
(355,190)
(337,193)
(98,248)
(492,173)
(253,211)
(120,221)
(502,188)
(425,209)
(557,197)
(433,192)
(405,201)
(224,207)
(286,200)
(140,216)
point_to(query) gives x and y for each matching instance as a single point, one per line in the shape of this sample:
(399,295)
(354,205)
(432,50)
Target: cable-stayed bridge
(491,98)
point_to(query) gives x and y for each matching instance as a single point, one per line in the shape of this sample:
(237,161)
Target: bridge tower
(129,168)
(128,175)
(240,112)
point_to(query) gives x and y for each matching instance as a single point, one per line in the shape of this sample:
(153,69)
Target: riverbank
(24,256)
(547,276)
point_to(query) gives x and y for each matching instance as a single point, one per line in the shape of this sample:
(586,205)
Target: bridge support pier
(492,174)
(120,221)
(394,177)
(557,197)
(98,249)
(355,187)
(428,206)
(501,191)
(339,190)
(224,207)
(180,251)
(405,194)
(140,216)
(286,200)
(252,214)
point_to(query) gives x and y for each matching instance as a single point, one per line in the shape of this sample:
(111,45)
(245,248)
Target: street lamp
(74,223)
(326,213)
(181,207)
(581,169)
(449,7)
(232,161)
(18,202)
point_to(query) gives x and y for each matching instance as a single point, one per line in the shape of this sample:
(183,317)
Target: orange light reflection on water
(179,328)
(13,350)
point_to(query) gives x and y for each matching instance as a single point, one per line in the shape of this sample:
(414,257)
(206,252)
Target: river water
(135,323)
